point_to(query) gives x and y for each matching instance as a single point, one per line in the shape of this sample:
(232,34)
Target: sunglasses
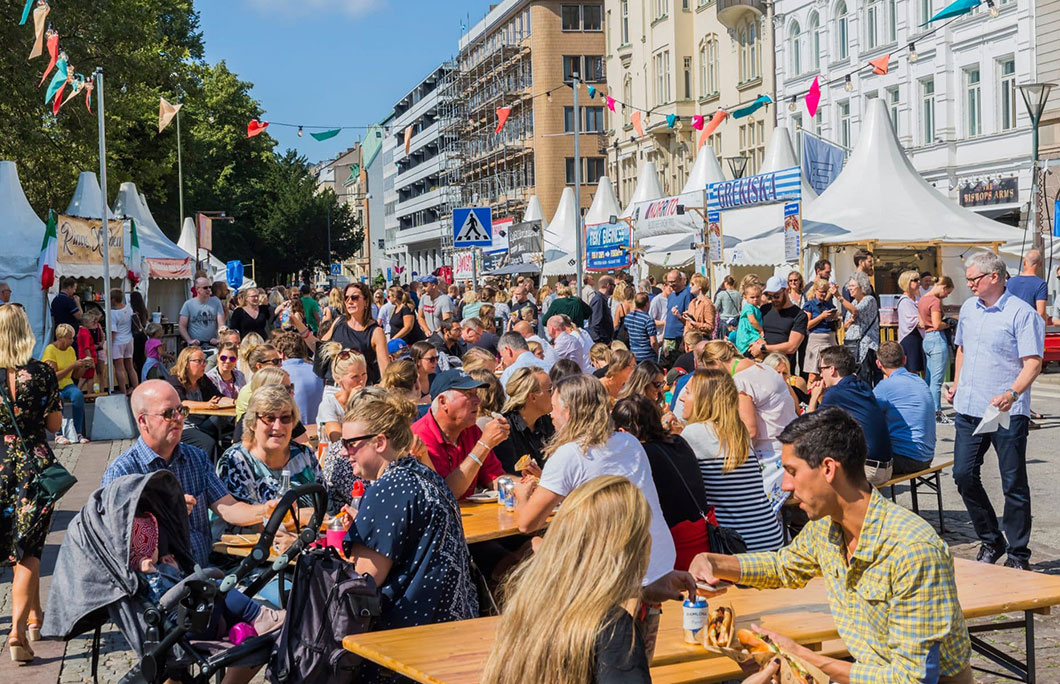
(346,353)
(350,445)
(353,298)
(273,362)
(432,359)
(285,419)
(226,358)
(659,385)
(170,414)
(774,295)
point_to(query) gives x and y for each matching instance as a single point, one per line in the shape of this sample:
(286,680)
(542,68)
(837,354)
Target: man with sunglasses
(160,421)
(783,323)
(1000,340)
(201,316)
(435,307)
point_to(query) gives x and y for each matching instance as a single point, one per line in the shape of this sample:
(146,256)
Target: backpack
(328,600)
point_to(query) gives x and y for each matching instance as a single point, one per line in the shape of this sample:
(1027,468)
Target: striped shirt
(641,329)
(894,604)
(738,497)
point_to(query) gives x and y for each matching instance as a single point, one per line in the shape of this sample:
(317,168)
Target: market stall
(561,238)
(23,232)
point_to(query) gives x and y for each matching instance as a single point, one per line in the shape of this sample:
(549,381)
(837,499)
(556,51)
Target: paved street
(57,662)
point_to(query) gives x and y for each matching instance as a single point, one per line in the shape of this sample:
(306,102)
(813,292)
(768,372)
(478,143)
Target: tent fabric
(153,242)
(706,170)
(561,238)
(605,204)
(23,234)
(647,187)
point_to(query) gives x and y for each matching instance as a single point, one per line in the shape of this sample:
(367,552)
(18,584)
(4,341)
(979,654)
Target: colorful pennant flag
(813,98)
(167,111)
(634,118)
(697,122)
(502,117)
(53,52)
(325,135)
(78,84)
(954,9)
(40,16)
(408,139)
(762,101)
(89,85)
(671,120)
(58,102)
(255,127)
(25,12)
(134,254)
(592,92)
(58,80)
(715,121)
(49,252)
(610,103)
(880,65)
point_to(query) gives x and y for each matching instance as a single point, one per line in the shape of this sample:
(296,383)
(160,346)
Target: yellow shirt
(895,605)
(61,359)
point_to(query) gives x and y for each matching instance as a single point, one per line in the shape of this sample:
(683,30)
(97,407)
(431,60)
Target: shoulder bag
(719,539)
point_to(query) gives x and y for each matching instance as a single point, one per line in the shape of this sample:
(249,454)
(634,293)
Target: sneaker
(942,419)
(990,554)
(269,620)
(1017,563)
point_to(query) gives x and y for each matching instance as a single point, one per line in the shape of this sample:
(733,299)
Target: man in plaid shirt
(889,577)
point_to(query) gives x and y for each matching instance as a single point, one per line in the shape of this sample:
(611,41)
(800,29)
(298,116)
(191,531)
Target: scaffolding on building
(485,167)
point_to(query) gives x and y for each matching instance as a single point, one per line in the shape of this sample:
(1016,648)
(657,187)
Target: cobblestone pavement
(71,662)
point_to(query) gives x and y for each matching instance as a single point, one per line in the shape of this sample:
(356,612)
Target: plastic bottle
(356,492)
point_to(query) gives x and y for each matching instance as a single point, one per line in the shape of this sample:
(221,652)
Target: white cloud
(302,7)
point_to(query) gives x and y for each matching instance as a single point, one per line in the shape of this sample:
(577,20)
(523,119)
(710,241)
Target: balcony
(731,12)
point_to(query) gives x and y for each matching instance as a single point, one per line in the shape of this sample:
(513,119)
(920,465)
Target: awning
(517,269)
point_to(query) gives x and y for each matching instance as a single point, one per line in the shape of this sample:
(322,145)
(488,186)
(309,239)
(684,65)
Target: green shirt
(576,309)
(312,313)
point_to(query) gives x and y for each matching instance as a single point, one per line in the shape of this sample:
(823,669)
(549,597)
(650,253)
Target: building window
(815,41)
(1007,73)
(595,167)
(927,10)
(594,69)
(843,112)
(892,107)
(892,21)
(568,119)
(688,78)
(569,168)
(571,17)
(708,66)
(592,17)
(927,111)
(662,77)
(973,103)
(818,122)
(747,37)
(795,48)
(627,96)
(662,8)
(752,145)
(842,31)
(872,23)
(594,119)
(526,21)
(624,21)
(572,65)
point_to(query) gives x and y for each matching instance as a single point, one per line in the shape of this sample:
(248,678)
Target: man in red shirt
(461,453)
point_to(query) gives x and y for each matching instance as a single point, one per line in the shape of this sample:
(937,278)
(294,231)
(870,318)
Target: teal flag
(25,13)
(325,134)
(751,108)
(954,9)
(57,80)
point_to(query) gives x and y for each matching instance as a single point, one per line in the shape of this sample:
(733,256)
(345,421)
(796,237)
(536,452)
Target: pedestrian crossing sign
(472,227)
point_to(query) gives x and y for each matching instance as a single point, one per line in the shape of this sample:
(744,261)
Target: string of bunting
(46,37)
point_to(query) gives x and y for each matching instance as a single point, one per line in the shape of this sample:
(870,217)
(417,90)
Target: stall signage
(608,246)
(80,243)
(526,242)
(763,188)
(984,193)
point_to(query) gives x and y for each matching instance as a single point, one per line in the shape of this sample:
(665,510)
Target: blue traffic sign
(473,227)
(336,269)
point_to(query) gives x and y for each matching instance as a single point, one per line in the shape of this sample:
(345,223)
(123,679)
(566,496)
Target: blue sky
(331,62)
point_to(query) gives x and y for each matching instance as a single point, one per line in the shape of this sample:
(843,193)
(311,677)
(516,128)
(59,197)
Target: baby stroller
(93,583)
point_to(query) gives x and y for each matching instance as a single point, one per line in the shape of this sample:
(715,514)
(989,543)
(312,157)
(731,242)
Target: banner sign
(1056,216)
(985,193)
(792,233)
(763,188)
(205,232)
(501,227)
(714,243)
(169,268)
(491,262)
(80,242)
(463,265)
(821,162)
(608,246)
(660,217)
(526,243)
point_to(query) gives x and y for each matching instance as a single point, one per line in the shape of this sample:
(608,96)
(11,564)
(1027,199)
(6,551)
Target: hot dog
(719,627)
(755,643)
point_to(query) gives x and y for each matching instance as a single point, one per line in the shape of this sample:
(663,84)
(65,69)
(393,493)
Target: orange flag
(167,111)
(408,139)
(880,64)
(502,117)
(635,119)
(715,121)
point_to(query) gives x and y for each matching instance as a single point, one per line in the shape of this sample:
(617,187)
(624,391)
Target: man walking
(677,304)
(1000,341)
(601,325)
(1028,286)
(435,306)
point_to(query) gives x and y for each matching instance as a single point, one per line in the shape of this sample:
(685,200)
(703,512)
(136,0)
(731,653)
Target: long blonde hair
(520,386)
(589,407)
(713,399)
(16,337)
(591,561)
(717,351)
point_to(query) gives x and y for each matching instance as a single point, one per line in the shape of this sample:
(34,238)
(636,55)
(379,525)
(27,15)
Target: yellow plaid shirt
(895,605)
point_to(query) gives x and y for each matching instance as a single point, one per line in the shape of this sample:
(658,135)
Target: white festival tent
(533,211)
(217,270)
(665,248)
(23,232)
(165,274)
(605,204)
(561,238)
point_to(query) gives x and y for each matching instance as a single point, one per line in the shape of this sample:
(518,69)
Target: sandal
(62,441)
(20,653)
(82,440)
(33,630)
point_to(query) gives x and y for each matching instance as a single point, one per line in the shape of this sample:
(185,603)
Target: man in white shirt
(568,344)
(515,354)
(527,331)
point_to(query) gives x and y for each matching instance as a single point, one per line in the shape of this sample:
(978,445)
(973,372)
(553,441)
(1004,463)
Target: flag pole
(180,194)
(105,226)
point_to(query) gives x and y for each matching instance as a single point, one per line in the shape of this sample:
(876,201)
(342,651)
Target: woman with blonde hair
(196,391)
(351,374)
(732,477)
(600,355)
(618,373)
(246,345)
(61,357)
(586,444)
(799,391)
(476,358)
(621,304)
(32,392)
(472,305)
(252,315)
(491,396)
(909,321)
(702,314)
(527,411)
(407,533)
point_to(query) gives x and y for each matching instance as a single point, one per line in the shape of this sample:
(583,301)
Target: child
(749,329)
(90,346)
(155,355)
(159,575)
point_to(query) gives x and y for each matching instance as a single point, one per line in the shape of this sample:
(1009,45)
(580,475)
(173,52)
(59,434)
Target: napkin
(992,419)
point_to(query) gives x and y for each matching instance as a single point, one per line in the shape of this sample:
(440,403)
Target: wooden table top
(226,412)
(455,652)
(482,522)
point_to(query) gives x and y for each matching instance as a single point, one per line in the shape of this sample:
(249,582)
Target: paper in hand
(993,418)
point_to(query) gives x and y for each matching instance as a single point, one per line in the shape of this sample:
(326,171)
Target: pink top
(925,306)
(152,347)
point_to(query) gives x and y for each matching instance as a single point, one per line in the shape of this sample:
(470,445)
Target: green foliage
(150,49)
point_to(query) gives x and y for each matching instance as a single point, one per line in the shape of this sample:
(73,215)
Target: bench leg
(938,495)
(894,497)
(912,492)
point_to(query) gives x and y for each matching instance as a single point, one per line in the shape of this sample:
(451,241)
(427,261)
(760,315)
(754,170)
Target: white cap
(775,284)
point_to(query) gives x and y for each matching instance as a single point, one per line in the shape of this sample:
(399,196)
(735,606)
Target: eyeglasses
(170,414)
(202,360)
(350,445)
(285,419)
(659,385)
(975,280)
(226,358)
(774,295)
(826,367)
(272,362)
(353,297)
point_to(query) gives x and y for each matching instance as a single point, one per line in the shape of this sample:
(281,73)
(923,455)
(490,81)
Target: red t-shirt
(447,456)
(925,306)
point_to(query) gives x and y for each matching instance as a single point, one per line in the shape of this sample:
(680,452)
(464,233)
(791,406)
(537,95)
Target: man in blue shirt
(1000,341)
(910,410)
(1028,286)
(677,303)
(601,326)
(642,331)
(160,419)
(840,387)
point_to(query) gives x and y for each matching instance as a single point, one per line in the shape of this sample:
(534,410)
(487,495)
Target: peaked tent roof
(605,204)
(647,188)
(561,238)
(533,211)
(781,155)
(706,170)
(23,233)
(153,242)
(86,202)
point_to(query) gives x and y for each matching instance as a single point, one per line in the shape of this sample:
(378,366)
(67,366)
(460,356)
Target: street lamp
(1035,95)
(737,165)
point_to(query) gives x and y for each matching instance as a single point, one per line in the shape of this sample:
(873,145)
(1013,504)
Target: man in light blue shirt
(515,354)
(910,411)
(1000,342)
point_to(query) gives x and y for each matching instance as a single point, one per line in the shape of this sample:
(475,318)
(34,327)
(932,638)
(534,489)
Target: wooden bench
(929,477)
(722,669)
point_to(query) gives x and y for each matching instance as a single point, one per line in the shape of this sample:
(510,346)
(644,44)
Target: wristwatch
(1014,393)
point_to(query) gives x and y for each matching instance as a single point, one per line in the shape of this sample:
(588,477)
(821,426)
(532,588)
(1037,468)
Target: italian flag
(134,254)
(48,254)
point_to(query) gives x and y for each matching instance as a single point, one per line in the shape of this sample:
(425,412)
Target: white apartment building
(415,201)
(955,106)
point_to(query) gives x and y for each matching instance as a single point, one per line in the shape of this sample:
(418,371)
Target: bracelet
(473,457)
(306,332)
(485,446)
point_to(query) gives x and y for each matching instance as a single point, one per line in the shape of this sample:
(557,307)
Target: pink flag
(697,122)
(635,120)
(502,116)
(813,98)
(610,103)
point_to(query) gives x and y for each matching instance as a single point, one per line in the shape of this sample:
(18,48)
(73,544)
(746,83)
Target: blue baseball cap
(396,346)
(429,278)
(453,379)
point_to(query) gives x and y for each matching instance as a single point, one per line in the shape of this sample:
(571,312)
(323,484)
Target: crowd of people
(654,416)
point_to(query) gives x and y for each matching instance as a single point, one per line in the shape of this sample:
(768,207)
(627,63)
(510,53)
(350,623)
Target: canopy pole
(105,226)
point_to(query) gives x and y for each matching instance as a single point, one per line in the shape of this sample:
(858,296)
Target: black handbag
(54,480)
(720,539)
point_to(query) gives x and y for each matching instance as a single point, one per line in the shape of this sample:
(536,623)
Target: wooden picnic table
(225,412)
(455,652)
(482,522)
